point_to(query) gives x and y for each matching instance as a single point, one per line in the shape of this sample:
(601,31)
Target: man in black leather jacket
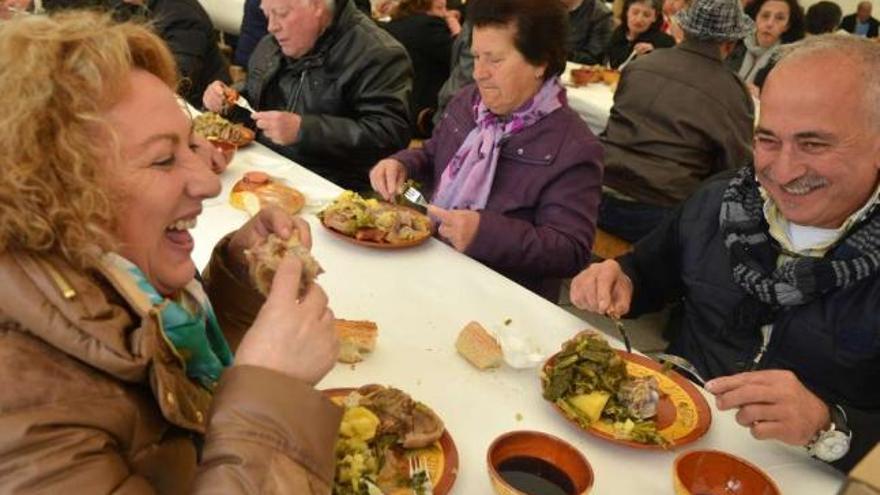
(778,266)
(331,88)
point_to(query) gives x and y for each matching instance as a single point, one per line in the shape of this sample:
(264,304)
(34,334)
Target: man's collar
(778,224)
(708,49)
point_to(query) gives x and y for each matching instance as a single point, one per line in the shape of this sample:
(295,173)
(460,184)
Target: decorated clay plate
(683,415)
(441,457)
(424,236)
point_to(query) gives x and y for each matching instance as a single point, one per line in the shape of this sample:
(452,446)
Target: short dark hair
(658,9)
(823,17)
(541,28)
(407,8)
(795,29)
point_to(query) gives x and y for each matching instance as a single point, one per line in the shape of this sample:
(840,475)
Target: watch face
(831,446)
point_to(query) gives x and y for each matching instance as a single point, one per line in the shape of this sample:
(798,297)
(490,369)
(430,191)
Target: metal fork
(622,331)
(414,196)
(241,102)
(419,476)
(679,362)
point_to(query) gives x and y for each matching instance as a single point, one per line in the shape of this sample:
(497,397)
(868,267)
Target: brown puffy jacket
(94,400)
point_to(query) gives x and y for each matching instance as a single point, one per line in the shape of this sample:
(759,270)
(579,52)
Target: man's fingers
(765,430)
(749,415)
(725,383)
(749,393)
(285,285)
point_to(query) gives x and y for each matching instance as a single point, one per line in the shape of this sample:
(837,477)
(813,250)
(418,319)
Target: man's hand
(603,288)
(387,178)
(281,127)
(214,97)
(772,404)
(642,48)
(459,227)
(271,219)
(289,336)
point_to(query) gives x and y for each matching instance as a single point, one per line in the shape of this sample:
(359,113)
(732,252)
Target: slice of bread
(478,346)
(356,338)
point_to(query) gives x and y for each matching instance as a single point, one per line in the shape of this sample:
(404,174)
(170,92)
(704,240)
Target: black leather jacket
(352,91)
(832,343)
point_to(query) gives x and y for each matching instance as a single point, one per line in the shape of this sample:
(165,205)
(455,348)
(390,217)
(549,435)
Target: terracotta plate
(380,245)
(442,457)
(683,415)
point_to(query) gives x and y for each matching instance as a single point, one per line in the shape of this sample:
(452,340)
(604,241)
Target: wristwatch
(832,444)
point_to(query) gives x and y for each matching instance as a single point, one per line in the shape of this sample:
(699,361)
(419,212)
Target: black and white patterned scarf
(753,254)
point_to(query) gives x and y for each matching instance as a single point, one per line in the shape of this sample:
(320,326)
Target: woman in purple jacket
(515,173)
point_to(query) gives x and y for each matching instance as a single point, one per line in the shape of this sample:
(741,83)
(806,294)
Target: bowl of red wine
(535,463)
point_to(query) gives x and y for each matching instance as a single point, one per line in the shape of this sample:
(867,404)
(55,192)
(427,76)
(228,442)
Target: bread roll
(356,338)
(478,346)
(263,261)
(256,190)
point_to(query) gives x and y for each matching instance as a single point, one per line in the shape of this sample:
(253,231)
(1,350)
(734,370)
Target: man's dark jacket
(848,24)
(352,92)
(832,343)
(188,30)
(591,25)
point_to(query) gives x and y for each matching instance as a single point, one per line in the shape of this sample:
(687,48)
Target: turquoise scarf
(189,324)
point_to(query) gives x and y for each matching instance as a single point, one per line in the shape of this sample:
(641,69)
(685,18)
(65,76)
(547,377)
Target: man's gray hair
(865,53)
(331,5)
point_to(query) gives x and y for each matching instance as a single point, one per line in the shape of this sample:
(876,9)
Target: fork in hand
(419,477)
(414,196)
(679,362)
(621,330)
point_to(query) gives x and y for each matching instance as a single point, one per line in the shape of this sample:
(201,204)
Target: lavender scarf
(467,180)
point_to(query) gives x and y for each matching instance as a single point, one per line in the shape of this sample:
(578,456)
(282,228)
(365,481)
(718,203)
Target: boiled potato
(591,405)
(360,423)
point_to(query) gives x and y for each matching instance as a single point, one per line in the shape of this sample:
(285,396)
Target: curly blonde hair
(61,73)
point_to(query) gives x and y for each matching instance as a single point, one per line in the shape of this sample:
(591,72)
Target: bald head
(836,55)
(863,11)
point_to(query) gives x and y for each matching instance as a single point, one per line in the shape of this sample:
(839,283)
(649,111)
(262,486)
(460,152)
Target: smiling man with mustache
(778,265)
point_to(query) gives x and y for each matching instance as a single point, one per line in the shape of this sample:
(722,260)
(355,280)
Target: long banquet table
(422,297)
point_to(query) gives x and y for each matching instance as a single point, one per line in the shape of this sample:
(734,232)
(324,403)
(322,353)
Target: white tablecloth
(422,297)
(592,102)
(225,14)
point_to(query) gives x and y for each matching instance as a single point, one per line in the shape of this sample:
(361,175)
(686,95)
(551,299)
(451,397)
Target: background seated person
(679,116)
(639,31)
(514,173)
(426,31)
(861,23)
(331,88)
(590,23)
(117,374)
(823,17)
(776,22)
(186,28)
(778,267)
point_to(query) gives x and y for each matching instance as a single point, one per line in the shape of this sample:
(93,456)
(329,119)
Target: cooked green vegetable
(585,371)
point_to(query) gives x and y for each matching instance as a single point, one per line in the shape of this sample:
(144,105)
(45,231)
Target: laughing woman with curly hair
(117,374)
